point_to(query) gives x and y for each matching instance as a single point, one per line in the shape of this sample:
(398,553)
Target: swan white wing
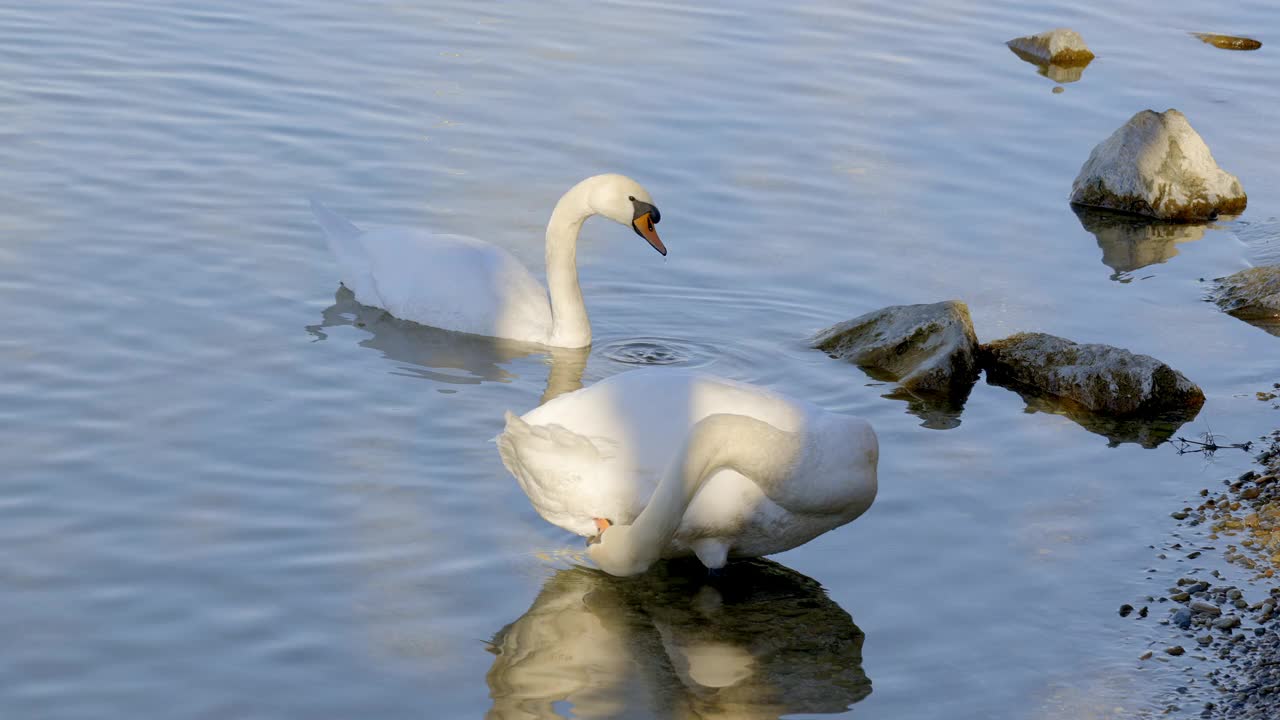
(570,478)
(445,281)
(456,283)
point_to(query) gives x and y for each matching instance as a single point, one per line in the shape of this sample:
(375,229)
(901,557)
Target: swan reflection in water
(760,642)
(429,353)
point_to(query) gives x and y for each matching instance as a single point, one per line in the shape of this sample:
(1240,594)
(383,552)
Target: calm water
(224,496)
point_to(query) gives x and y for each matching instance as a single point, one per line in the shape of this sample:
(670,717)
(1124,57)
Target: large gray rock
(1252,295)
(927,349)
(1061,46)
(1157,165)
(1102,379)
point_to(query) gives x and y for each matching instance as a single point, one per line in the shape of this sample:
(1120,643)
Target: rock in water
(1229,42)
(1104,379)
(1062,47)
(1252,295)
(1255,291)
(929,349)
(1157,165)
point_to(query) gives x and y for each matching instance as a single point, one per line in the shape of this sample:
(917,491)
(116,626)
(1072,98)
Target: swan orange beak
(601,526)
(644,228)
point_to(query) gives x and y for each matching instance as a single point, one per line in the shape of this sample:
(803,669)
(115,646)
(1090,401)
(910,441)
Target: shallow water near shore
(228,492)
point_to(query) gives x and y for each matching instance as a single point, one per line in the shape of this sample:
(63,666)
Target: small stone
(1228,42)
(1193,555)
(1058,89)
(1061,46)
(1125,610)
(1182,618)
(1204,639)
(1175,651)
(1145,656)
(1180,597)
(1143,611)
(1250,493)
(1227,622)
(1240,603)
(1205,608)
(1180,515)
(1234,593)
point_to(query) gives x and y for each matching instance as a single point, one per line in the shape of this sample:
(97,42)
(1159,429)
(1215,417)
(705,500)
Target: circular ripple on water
(660,351)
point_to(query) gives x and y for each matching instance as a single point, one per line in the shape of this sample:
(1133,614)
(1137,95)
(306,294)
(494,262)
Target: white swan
(663,463)
(467,285)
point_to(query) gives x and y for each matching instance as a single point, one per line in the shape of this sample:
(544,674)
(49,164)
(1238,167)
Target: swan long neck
(569,324)
(752,447)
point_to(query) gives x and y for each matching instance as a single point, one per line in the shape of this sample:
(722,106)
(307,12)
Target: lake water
(224,496)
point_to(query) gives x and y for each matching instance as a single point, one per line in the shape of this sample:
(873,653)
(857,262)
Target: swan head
(626,202)
(613,550)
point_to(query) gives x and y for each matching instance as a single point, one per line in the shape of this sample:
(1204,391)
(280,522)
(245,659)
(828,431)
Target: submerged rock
(927,349)
(1101,378)
(1253,295)
(1058,73)
(1229,42)
(1061,46)
(1157,165)
(1129,242)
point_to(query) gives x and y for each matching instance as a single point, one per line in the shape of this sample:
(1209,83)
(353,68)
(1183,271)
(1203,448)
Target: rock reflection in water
(427,351)
(1149,432)
(759,642)
(1130,242)
(936,412)
(1057,73)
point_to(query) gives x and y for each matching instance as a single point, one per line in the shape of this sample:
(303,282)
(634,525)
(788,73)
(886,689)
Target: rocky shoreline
(1230,634)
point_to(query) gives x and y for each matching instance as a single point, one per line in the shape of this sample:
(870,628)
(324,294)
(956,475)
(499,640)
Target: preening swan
(660,463)
(467,285)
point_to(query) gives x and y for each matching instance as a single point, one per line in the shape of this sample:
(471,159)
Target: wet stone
(1182,618)
(1227,622)
(1205,608)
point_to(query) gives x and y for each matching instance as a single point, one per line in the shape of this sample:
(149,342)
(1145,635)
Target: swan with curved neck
(660,463)
(467,285)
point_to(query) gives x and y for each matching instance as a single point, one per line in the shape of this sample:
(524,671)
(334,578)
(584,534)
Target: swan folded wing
(456,283)
(563,473)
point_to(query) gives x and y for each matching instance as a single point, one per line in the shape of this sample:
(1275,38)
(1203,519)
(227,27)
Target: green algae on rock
(1103,379)
(1253,295)
(1061,46)
(1228,42)
(1157,165)
(929,348)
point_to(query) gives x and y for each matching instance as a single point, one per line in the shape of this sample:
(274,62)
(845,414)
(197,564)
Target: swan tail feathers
(336,227)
